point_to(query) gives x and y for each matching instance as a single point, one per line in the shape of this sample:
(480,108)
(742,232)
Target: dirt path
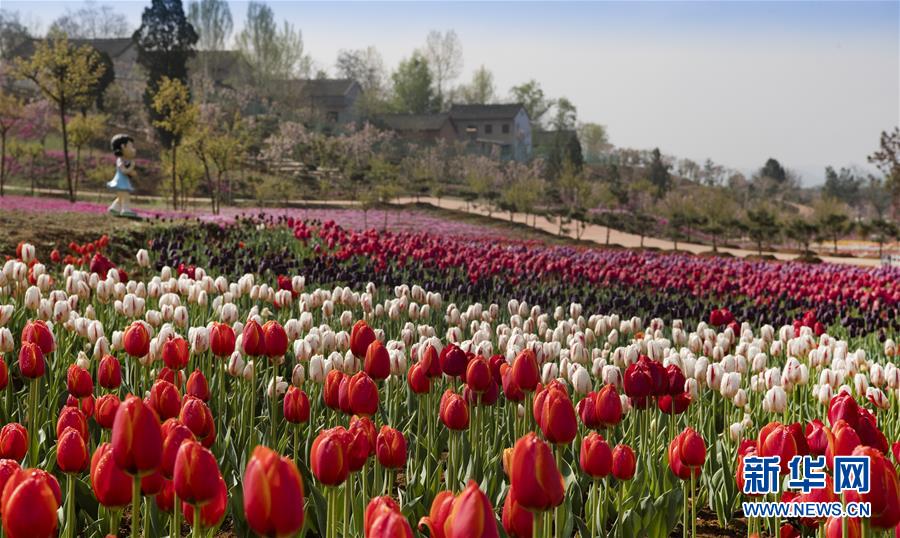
(597,234)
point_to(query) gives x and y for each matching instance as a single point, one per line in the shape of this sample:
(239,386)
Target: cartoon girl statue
(123,148)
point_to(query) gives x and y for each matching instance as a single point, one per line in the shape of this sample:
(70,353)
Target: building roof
(327,87)
(114,47)
(485,112)
(415,122)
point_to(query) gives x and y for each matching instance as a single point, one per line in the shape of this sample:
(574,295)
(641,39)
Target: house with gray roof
(497,129)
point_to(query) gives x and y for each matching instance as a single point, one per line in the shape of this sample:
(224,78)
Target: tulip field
(281,377)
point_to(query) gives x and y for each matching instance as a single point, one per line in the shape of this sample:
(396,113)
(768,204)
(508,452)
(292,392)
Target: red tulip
(389,524)
(363,395)
(213,512)
(4,374)
(276,339)
(453,360)
(71,451)
(845,441)
(511,389)
(195,414)
(478,374)
(417,378)
(377,363)
(109,373)
(164,399)
(30,501)
(107,406)
(176,353)
(869,434)
(165,499)
(328,457)
(71,417)
(365,425)
(37,332)
(390,448)
(431,361)
(437,516)
(344,395)
(197,386)
(454,411)
(273,494)
(608,406)
(525,371)
(517,521)
(359,447)
(152,484)
(637,380)
(360,337)
(674,405)
(296,406)
(843,406)
(376,507)
(13,441)
(252,339)
(136,438)
(818,437)
(86,404)
(558,422)
(31,361)
(776,439)
(687,452)
(884,489)
(111,485)
(587,411)
(175,377)
(78,381)
(174,435)
(221,339)
(196,473)
(7,469)
(674,380)
(535,481)
(136,340)
(623,462)
(595,457)
(471,515)
(834,525)
(331,390)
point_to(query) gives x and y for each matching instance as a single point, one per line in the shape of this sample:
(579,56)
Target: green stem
(198,525)
(175,531)
(693,506)
(71,524)
(135,506)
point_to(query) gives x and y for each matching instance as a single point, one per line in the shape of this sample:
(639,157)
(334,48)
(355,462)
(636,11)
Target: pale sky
(809,83)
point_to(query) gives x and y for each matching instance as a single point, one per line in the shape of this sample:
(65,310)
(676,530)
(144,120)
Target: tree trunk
(675,240)
(759,248)
(642,238)
(209,184)
(77,167)
(174,179)
(65,137)
(715,243)
(31,173)
(607,235)
(835,243)
(2,160)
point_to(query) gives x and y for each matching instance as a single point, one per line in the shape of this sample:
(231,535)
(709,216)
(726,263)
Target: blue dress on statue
(121,181)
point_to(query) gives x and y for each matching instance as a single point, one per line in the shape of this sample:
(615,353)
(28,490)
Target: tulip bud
(273,494)
(136,438)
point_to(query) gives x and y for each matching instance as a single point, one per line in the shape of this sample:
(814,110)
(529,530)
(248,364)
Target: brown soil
(47,231)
